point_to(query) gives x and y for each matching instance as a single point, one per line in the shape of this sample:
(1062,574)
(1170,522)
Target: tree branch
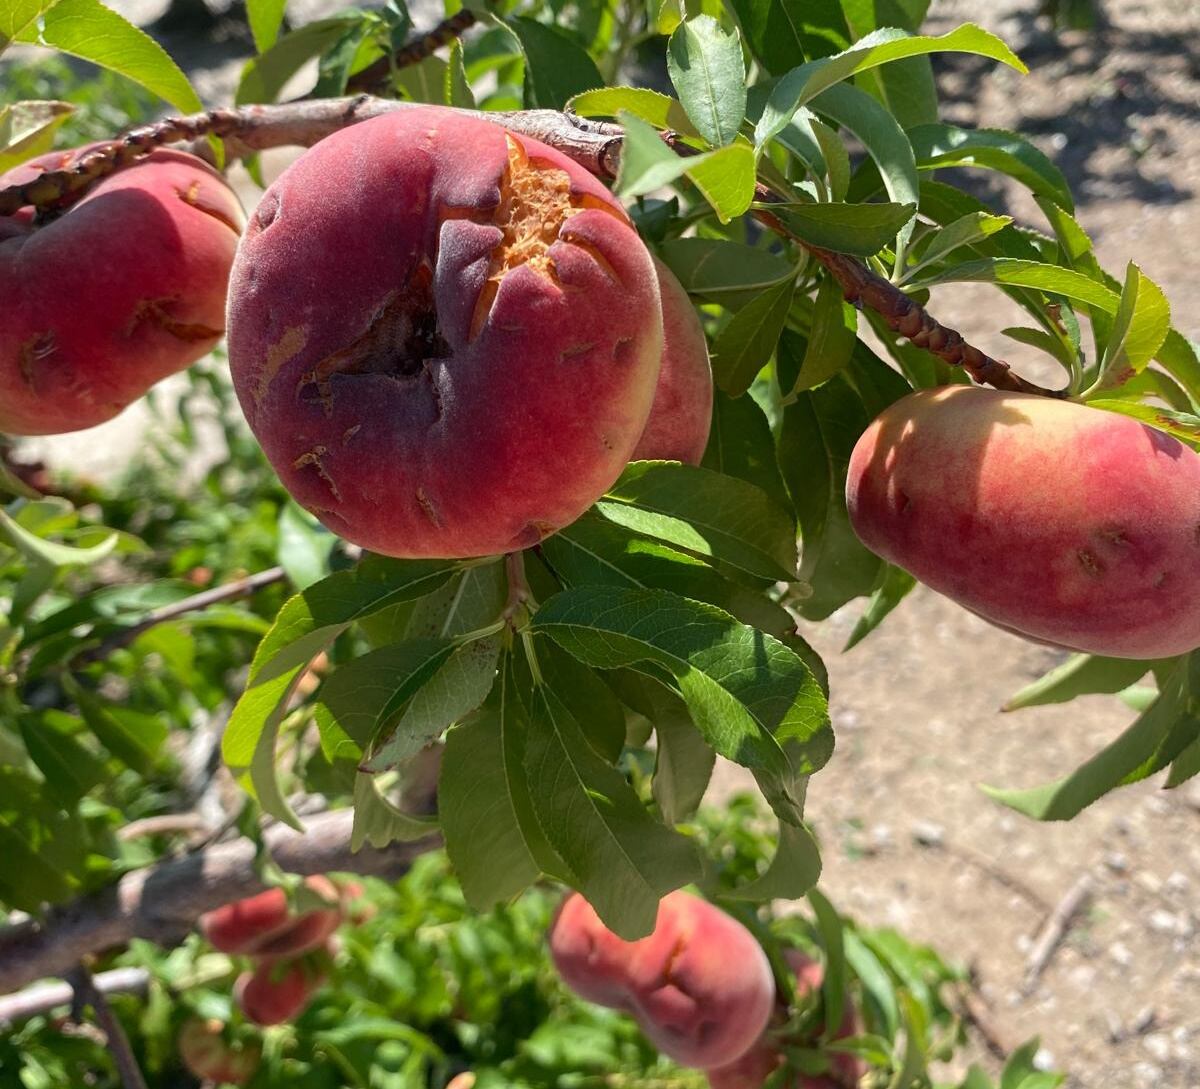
(375,76)
(45,997)
(161,903)
(87,993)
(594,145)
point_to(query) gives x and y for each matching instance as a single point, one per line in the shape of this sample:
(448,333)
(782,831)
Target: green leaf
(803,84)
(459,686)
(964,231)
(741,444)
(661,111)
(26,130)
(556,68)
(1079,675)
(831,337)
(906,87)
(624,861)
(92,32)
(264,77)
(646,162)
(783,33)
(70,768)
(718,270)
(833,986)
(892,586)
(343,57)
(478,799)
(714,516)
(49,553)
(424,82)
(748,341)
(877,985)
(1159,735)
(1022,273)
(819,431)
(379,822)
(938,146)
(134,738)
(11,484)
(833,152)
(1056,347)
(265,18)
(18,16)
(726,178)
(706,68)
(753,699)
(1185,766)
(1139,328)
(860,229)
(458,88)
(793,871)
(304,546)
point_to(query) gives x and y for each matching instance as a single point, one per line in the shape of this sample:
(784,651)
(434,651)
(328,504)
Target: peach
(1062,523)
(699,986)
(445,336)
(681,414)
(278,990)
(264,925)
(210,1057)
(124,288)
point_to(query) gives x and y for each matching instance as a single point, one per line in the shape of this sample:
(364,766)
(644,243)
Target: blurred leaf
(264,77)
(877,985)
(803,84)
(304,546)
(833,985)
(1079,675)
(860,229)
(748,341)
(1159,735)
(753,699)
(18,16)
(92,32)
(71,770)
(1185,766)
(556,68)
(380,823)
(39,550)
(342,57)
(27,129)
(133,737)
(706,513)
(893,585)
(793,871)
(265,18)
(705,64)
(624,860)
(423,82)
(11,484)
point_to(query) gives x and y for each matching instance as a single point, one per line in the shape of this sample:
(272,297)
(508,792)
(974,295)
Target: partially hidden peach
(681,415)
(700,985)
(124,288)
(211,1057)
(445,336)
(264,925)
(278,990)
(1062,523)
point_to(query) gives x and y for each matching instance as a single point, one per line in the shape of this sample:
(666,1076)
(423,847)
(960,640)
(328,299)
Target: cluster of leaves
(425,988)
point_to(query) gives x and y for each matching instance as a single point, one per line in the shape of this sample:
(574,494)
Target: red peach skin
(206,1053)
(277,991)
(681,415)
(699,986)
(445,336)
(123,289)
(1062,523)
(264,925)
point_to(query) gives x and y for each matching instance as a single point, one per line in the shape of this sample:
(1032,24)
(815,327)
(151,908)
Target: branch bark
(375,76)
(53,995)
(596,146)
(161,903)
(88,994)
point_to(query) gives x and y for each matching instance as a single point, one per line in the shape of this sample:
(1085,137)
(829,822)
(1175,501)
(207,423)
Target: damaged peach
(471,307)
(124,288)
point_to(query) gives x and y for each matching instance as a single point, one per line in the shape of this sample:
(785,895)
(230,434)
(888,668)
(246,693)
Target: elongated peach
(1059,522)
(445,336)
(278,991)
(699,986)
(681,415)
(211,1057)
(123,289)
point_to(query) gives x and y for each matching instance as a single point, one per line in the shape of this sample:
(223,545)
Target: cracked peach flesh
(700,986)
(1062,523)
(123,289)
(446,337)
(681,414)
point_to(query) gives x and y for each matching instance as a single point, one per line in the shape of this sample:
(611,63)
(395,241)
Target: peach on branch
(681,415)
(700,985)
(1059,522)
(211,1057)
(279,990)
(445,336)
(124,288)
(264,925)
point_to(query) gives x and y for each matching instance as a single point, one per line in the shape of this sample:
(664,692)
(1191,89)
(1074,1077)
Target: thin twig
(45,997)
(375,76)
(87,993)
(229,591)
(972,1008)
(163,825)
(1054,929)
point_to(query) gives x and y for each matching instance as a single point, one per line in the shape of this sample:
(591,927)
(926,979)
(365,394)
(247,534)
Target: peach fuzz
(681,414)
(210,1057)
(124,288)
(445,336)
(700,985)
(264,925)
(1062,523)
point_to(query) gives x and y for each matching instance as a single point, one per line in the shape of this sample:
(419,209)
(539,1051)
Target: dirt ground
(909,839)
